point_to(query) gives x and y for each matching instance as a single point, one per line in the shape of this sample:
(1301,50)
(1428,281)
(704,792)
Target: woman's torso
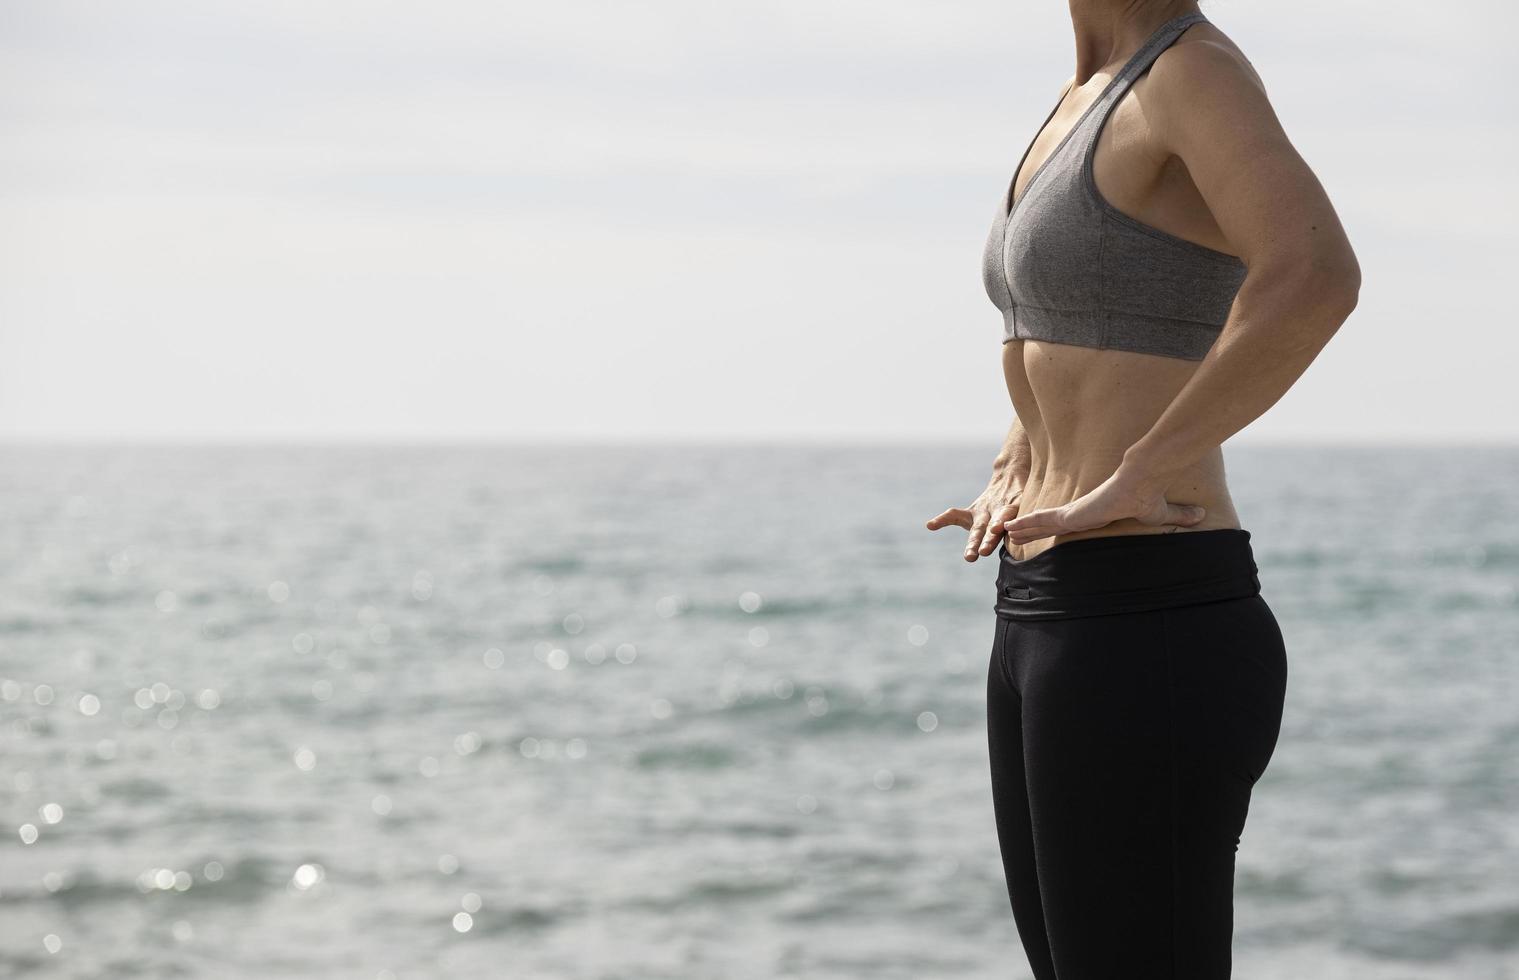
(1081,406)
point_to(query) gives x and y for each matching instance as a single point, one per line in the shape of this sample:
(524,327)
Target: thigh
(1143,734)
(1228,683)
(1010,804)
(1096,728)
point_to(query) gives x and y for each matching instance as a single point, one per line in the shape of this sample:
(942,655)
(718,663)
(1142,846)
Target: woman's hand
(985,516)
(1122,496)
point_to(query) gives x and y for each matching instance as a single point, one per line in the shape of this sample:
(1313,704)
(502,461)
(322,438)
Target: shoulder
(1202,62)
(1203,84)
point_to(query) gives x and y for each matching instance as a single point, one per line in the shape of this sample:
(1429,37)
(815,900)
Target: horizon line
(680,440)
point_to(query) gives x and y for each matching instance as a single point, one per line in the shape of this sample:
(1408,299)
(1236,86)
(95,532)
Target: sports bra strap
(1141,60)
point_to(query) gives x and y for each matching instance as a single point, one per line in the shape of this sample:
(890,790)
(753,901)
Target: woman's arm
(998,503)
(1303,280)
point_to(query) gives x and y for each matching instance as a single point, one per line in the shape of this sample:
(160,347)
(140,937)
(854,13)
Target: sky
(320,220)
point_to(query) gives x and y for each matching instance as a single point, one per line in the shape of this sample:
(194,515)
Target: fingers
(977,534)
(1039,524)
(990,538)
(984,532)
(956,516)
(1057,520)
(1185,515)
(996,528)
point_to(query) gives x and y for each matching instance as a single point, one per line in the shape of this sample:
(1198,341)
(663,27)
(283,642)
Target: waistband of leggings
(1125,573)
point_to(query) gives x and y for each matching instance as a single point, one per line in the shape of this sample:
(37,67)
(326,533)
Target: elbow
(1327,281)
(1339,283)
(1330,280)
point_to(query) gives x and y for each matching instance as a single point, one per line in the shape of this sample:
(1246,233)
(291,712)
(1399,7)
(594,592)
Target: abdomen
(1083,408)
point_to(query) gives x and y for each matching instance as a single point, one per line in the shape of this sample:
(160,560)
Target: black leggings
(1134,697)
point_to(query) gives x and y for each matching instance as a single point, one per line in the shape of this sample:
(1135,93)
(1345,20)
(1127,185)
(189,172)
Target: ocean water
(662,711)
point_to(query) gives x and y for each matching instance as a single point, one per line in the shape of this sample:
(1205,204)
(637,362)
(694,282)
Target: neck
(1109,31)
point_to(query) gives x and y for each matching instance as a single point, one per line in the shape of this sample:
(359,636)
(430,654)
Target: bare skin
(1112,442)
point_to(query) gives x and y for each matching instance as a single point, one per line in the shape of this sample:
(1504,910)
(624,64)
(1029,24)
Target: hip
(1120,574)
(1143,622)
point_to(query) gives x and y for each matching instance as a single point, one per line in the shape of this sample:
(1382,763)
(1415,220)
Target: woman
(1166,266)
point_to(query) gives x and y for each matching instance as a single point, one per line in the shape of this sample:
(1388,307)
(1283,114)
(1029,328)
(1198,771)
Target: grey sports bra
(1064,265)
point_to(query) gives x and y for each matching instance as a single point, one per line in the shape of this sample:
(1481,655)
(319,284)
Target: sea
(683,711)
